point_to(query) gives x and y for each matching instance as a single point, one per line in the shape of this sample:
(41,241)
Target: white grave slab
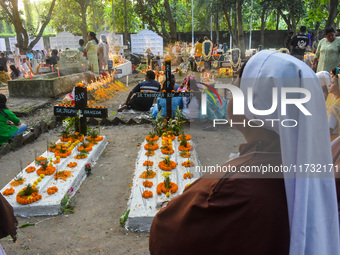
(50,204)
(2,44)
(147,39)
(142,213)
(123,69)
(65,40)
(38,46)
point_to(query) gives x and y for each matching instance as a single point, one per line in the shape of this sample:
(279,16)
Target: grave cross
(64,27)
(105,26)
(168,94)
(81,109)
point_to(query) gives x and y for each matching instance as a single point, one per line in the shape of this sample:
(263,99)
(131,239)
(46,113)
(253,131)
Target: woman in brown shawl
(8,222)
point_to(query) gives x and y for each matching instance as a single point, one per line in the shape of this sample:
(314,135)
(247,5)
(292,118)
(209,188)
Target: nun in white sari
(294,211)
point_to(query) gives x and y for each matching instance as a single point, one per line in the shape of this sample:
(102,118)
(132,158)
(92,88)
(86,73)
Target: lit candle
(31,74)
(58,72)
(127,80)
(83,67)
(23,71)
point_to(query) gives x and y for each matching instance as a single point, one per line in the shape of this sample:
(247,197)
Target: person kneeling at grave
(281,212)
(176,102)
(10,125)
(142,103)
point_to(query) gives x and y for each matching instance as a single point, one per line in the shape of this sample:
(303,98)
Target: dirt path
(94,228)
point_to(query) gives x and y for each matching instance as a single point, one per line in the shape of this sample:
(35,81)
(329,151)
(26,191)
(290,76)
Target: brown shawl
(8,222)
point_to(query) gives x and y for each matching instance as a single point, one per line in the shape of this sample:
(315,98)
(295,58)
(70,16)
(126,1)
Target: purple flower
(70,191)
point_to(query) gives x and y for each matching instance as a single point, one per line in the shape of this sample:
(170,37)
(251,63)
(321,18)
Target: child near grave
(15,74)
(176,102)
(10,125)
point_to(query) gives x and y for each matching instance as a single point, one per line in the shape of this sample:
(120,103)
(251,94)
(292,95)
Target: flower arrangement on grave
(52,190)
(148,163)
(72,164)
(63,150)
(28,195)
(167,187)
(150,153)
(167,147)
(147,184)
(167,60)
(85,146)
(187,137)
(62,175)
(57,161)
(188,175)
(161,125)
(188,163)
(147,194)
(184,145)
(65,136)
(152,137)
(17,181)
(94,136)
(8,192)
(52,147)
(81,85)
(46,167)
(151,146)
(30,169)
(88,168)
(81,155)
(77,137)
(167,164)
(185,154)
(148,174)
(168,136)
(224,73)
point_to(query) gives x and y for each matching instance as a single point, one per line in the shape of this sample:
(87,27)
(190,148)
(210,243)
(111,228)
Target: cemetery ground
(94,228)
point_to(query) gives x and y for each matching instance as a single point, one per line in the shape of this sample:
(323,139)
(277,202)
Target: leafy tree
(11,10)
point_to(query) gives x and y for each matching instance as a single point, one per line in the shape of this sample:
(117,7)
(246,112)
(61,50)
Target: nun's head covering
(325,78)
(103,37)
(312,203)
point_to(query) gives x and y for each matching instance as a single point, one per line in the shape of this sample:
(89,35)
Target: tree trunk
(217,28)
(94,17)
(241,44)
(28,15)
(333,12)
(125,22)
(263,25)
(292,18)
(83,25)
(172,24)
(277,20)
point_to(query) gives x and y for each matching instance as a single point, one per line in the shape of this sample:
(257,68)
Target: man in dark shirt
(299,43)
(3,61)
(288,39)
(142,103)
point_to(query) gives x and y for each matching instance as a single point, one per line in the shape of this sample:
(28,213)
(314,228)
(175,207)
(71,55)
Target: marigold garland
(97,139)
(188,175)
(172,137)
(149,153)
(63,154)
(72,164)
(80,156)
(162,165)
(150,146)
(161,188)
(146,175)
(149,138)
(147,194)
(147,184)
(87,148)
(17,182)
(185,148)
(8,192)
(188,163)
(65,138)
(25,200)
(52,190)
(187,137)
(167,150)
(148,163)
(30,169)
(48,171)
(185,154)
(63,175)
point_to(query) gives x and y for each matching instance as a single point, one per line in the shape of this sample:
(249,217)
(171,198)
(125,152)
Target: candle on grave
(31,74)
(83,67)
(23,71)
(127,80)
(58,72)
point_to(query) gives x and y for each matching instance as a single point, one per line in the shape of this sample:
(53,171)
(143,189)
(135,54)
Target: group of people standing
(96,53)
